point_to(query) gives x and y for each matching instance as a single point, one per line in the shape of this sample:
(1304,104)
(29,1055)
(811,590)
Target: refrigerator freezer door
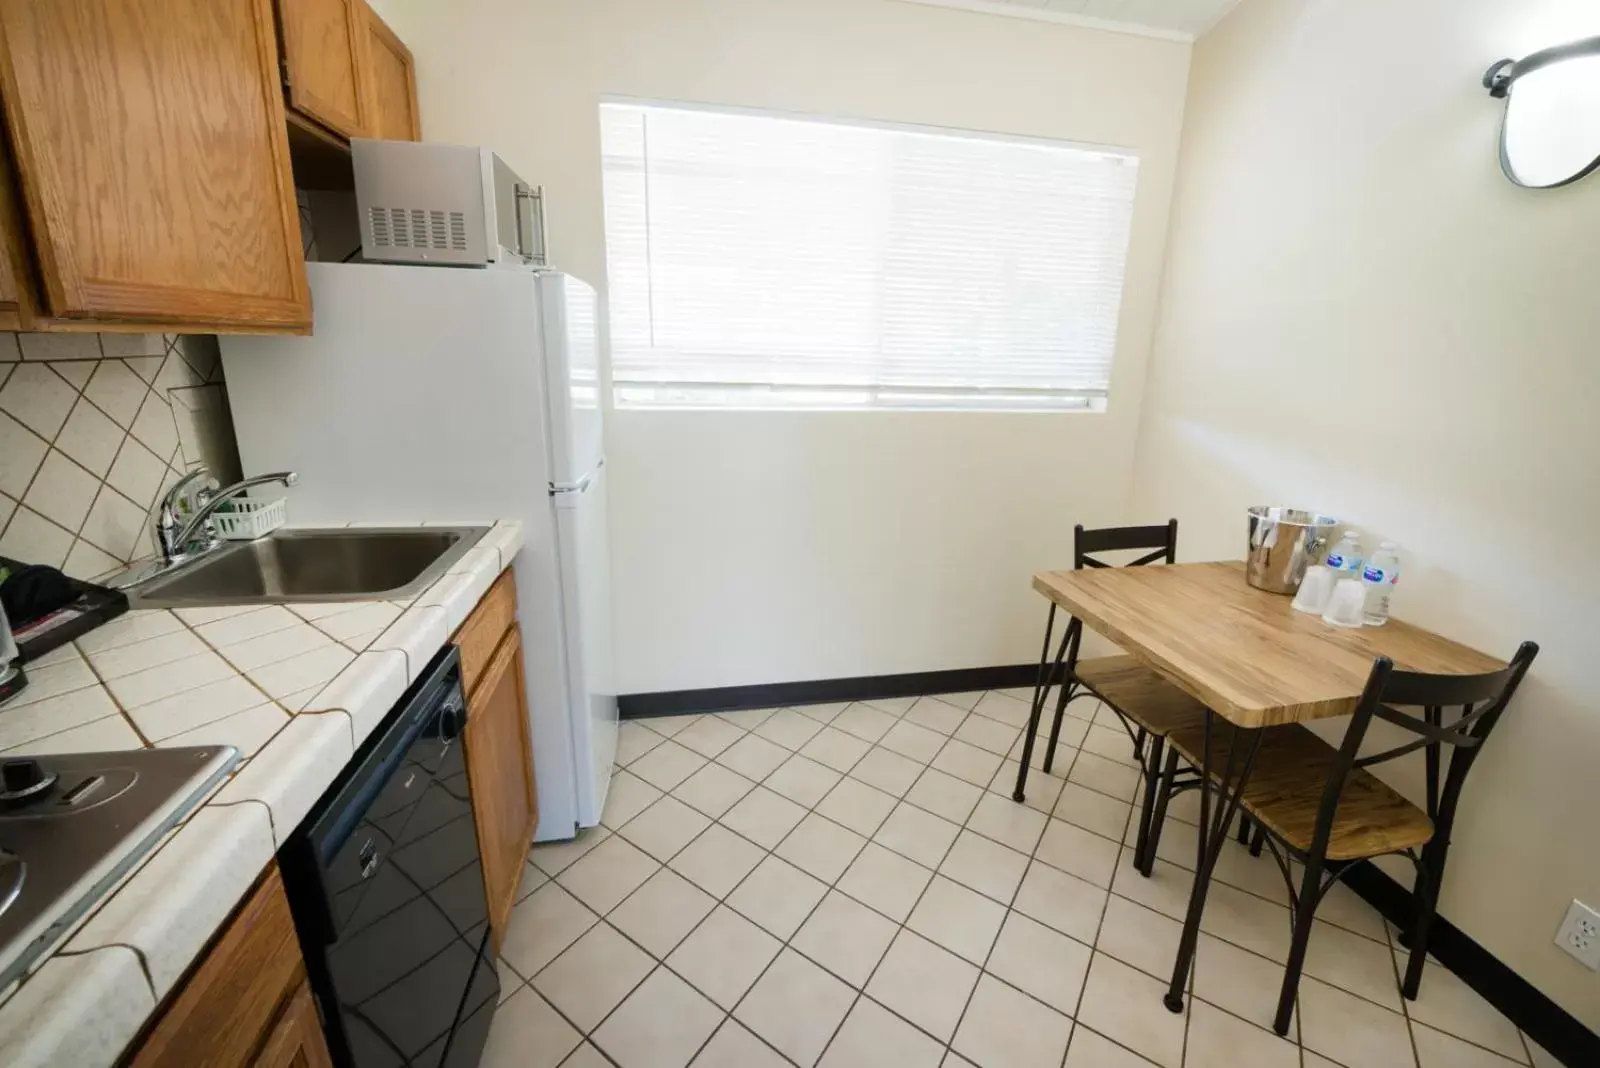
(567,316)
(585,565)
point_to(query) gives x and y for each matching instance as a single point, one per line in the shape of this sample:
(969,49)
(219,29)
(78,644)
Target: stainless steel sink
(314,565)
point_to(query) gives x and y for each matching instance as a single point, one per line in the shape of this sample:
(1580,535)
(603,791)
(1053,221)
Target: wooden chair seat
(1285,789)
(1140,694)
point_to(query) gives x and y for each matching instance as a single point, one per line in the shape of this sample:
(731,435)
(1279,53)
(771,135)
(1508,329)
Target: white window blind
(764,261)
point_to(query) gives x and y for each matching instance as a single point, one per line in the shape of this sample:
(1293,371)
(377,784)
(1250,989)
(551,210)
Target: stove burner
(13,869)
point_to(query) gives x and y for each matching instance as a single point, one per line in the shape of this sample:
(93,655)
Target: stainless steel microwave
(449,205)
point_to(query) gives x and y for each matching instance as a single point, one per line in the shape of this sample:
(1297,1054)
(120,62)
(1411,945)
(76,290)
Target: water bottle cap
(1389,545)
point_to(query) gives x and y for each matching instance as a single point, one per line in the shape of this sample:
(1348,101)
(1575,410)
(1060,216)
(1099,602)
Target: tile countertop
(296,688)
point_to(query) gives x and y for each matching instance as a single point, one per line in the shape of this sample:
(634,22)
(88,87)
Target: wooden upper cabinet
(321,53)
(391,81)
(500,777)
(150,143)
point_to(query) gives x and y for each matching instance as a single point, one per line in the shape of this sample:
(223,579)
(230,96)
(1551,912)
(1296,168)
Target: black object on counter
(33,591)
(13,680)
(47,609)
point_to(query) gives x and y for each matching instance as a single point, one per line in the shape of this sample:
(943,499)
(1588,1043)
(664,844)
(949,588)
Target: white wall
(1362,316)
(767,547)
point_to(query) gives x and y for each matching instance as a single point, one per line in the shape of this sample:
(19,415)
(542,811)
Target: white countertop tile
(139,656)
(102,735)
(166,680)
(127,629)
(53,715)
(182,895)
(419,633)
(235,629)
(233,675)
(246,731)
(365,691)
(194,708)
(311,670)
(291,771)
(79,1009)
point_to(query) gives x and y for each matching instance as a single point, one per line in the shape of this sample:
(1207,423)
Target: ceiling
(1179,19)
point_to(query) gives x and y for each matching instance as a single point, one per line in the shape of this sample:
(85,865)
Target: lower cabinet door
(295,1040)
(500,776)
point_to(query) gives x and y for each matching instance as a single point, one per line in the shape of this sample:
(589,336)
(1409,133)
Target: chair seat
(1285,791)
(1140,694)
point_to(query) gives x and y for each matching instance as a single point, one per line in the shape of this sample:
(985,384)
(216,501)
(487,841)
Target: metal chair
(1318,805)
(1148,707)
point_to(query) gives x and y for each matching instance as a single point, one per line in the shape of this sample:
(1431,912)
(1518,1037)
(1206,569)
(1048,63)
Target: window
(759,261)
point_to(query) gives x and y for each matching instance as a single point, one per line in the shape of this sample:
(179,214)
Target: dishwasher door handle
(369,858)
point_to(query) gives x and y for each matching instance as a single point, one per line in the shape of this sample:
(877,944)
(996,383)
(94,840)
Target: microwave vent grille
(418,228)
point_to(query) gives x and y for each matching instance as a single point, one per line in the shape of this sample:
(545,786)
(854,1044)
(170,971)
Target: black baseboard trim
(817,691)
(1558,1031)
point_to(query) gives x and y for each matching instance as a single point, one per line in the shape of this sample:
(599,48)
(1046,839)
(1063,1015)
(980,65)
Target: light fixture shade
(1551,132)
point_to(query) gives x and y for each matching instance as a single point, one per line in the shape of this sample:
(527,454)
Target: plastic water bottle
(1379,577)
(1345,559)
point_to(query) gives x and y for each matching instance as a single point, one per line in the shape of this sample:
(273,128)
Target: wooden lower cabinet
(500,776)
(296,1039)
(247,1001)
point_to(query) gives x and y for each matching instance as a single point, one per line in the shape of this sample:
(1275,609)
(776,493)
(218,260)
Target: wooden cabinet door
(228,1003)
(16,286)
(500,777)
(391,82)
(150,143)
(296,1039)
(321,50)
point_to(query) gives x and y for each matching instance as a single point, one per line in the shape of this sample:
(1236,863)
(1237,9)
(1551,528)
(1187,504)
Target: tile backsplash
(94,428)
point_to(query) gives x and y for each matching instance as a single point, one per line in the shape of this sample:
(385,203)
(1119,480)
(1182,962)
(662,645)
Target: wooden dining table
(1248,657)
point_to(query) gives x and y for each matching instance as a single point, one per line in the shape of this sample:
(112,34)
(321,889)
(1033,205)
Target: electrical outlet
(1580,934)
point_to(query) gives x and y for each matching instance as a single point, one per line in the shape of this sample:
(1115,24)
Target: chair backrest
(1481,699)
(1163,539)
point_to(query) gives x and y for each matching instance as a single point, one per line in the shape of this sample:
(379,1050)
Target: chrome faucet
(197,494)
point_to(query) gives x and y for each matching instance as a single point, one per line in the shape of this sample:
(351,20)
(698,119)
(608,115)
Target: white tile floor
(852,885)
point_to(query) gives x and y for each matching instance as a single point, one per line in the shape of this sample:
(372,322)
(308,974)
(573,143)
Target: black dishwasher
(386,886)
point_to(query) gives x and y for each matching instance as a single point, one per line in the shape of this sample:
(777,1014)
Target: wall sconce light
(1551,132)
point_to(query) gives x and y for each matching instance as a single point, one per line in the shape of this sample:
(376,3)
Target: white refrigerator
(456,394)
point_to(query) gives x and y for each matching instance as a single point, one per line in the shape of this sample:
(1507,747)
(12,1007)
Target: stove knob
(21,776)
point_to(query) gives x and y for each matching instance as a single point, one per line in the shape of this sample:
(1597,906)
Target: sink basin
(314,565)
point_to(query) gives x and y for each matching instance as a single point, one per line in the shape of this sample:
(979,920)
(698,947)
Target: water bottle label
(1336,561)
(1373,574)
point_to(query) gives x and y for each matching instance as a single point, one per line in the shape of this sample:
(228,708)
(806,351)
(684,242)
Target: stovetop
(71,825)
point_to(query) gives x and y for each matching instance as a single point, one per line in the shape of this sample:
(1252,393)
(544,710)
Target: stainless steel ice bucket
(1284,542)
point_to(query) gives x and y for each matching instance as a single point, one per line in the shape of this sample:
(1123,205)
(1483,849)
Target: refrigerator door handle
(578,486)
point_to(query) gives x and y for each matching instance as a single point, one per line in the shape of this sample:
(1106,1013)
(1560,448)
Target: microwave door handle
(534,224)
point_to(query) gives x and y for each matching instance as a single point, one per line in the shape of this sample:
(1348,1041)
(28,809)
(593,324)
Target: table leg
(1041,690)
(1213,834)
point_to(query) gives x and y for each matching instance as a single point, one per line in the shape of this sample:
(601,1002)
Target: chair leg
(1258,841)
(1305,910)
(1426,894)
(1041,692)
(1169,771)
(1067,694)
(1151,768)
(1138,746)
(1244,829)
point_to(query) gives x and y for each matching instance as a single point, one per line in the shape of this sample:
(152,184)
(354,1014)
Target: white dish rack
(242,519)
